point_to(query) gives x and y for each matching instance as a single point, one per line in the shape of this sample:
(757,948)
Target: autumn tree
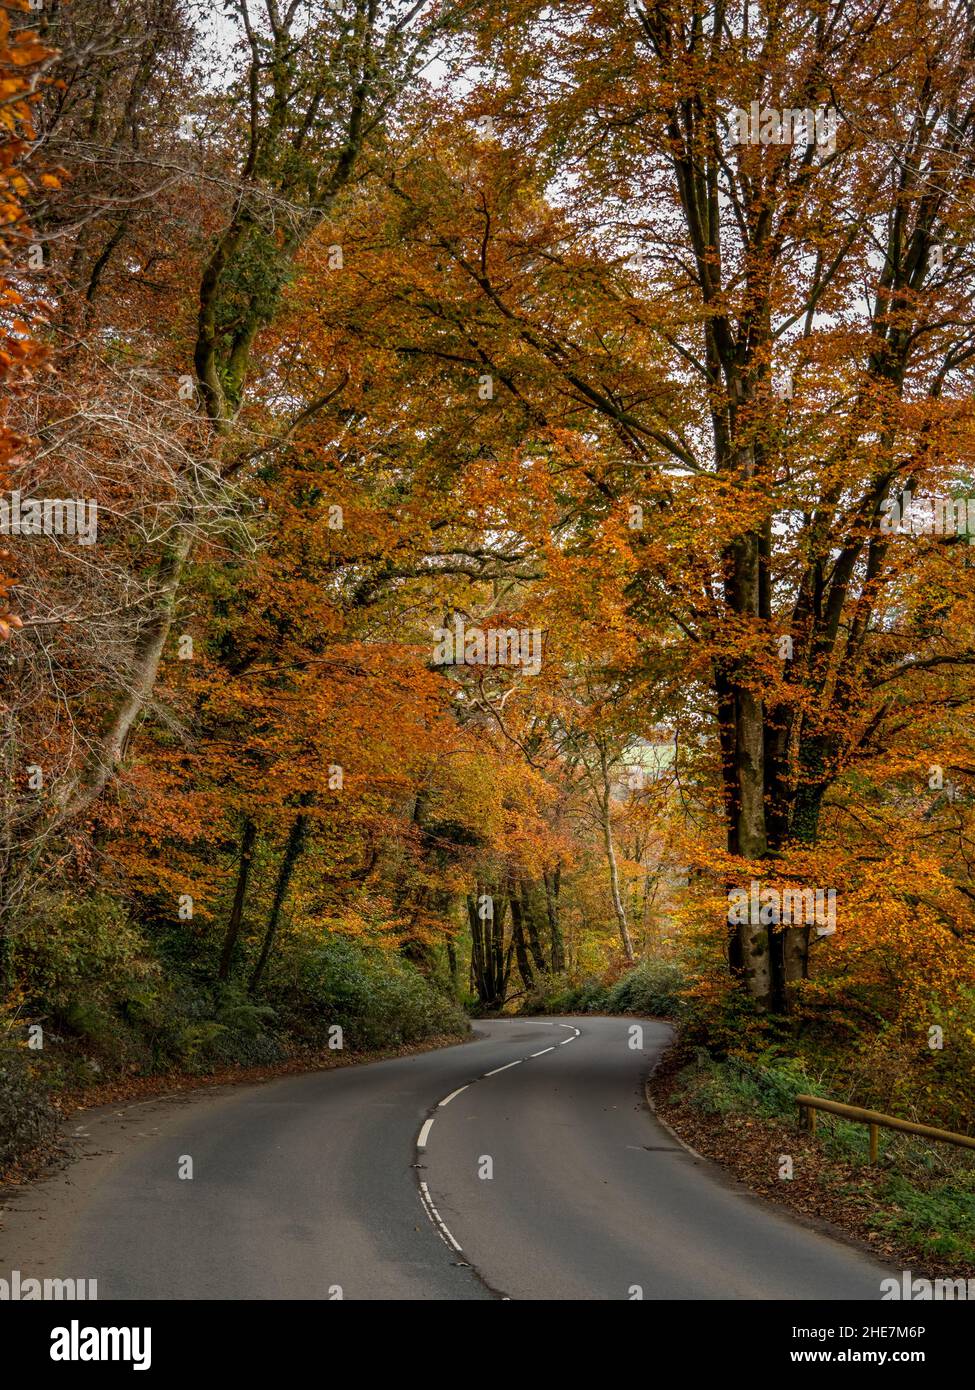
(761,346)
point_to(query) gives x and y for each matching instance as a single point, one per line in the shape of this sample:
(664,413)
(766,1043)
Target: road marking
(443,1230)
(448,1099)
(505,1068)
(441,1227)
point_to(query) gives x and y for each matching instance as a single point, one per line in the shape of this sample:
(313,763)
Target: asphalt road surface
(523,1165)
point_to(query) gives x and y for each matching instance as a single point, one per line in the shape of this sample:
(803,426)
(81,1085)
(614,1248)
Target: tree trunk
(795,941)
(109,751)
(751,954)
(614,884)
(501,964)
(248,840)
(518,938)
(795,949)
(553,883)
(488,965)
(531,928)
(292,853)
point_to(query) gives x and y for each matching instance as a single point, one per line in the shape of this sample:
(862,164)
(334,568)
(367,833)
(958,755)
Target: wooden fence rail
(808,1105)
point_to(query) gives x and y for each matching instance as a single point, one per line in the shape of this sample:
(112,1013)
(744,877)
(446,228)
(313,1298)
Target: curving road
(523,1165)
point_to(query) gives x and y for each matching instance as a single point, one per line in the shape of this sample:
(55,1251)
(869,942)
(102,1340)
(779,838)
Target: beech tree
(761,348)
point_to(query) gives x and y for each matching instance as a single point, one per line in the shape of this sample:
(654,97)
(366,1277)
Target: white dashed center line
(437,1219)
(504,1068)
(447,1099)
(429,1206)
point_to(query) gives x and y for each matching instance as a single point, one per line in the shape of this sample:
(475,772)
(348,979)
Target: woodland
(361,324)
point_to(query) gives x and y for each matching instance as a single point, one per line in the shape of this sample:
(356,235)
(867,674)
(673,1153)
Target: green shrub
(377,998)
(109,1004)
(557,994)
(767,1086)
(653,988)
(79,954)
